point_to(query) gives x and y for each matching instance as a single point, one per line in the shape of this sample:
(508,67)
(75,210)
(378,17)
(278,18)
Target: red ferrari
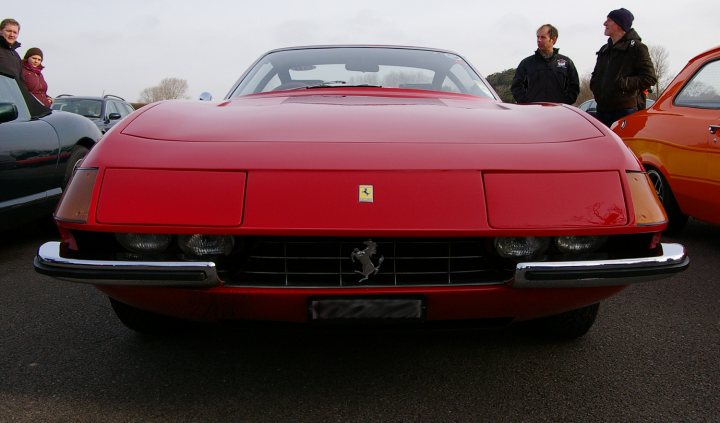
(345,184)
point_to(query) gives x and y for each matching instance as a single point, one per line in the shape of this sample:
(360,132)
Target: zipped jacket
(10,62)
(553,79)
(622,71)
(35,82)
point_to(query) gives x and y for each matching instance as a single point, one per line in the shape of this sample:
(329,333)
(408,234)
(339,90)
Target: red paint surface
(543,200)
(171,197)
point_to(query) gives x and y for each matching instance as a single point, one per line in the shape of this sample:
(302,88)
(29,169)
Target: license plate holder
(367,309)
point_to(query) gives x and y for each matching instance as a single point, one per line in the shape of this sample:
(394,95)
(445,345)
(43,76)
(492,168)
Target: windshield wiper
(337,84)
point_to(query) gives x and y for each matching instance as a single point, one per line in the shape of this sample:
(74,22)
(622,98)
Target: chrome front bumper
(568,274)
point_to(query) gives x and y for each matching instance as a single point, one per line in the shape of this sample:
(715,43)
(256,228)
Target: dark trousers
(608,117)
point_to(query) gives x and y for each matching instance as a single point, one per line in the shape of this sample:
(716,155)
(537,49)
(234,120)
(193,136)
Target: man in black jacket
(10,63)
(546,75)
(623,69)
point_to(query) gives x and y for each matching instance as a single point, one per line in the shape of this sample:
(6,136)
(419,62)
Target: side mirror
(8,112)
(205,96)
(114,116)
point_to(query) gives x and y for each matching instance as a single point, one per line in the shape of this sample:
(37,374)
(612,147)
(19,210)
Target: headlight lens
(144,243)
(579,244)
(199,245)
(521,247)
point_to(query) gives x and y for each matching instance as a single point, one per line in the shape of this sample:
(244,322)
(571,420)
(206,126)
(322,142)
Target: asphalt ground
(651,356)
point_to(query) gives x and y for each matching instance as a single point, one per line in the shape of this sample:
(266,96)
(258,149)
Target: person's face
(35,60)
(544,42)
(611,28)
(10,33)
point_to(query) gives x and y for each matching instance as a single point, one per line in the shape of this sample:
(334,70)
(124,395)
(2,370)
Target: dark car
(590,106)
(38,150)
(104,111)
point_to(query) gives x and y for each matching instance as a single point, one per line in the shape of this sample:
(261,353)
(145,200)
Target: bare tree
(168,89)
(659,56)
(585,93)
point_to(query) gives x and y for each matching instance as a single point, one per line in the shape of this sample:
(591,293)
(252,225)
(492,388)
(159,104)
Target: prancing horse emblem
(365,258)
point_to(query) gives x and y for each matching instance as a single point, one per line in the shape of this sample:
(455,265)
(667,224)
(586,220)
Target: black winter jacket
(621,72)
(10,62)
(554,79)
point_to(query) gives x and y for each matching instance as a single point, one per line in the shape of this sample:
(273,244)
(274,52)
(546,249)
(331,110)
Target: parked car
(590,106)
(104,111)
(339,184)
(677,141)
(38,151)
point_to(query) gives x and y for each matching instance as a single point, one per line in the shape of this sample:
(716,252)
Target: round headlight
(579,244)
(199,245)
(520,247)
(144,243)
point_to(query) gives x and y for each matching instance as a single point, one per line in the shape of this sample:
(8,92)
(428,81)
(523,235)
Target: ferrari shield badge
(365,258)
(365,193)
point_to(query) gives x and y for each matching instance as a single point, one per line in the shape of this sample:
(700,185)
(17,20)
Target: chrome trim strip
(580,274)
(134,273)
(55,192)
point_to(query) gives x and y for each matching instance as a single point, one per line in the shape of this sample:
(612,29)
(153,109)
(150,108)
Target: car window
(703,90)
(348,66)
(110,108)
(10,93)
(81,106)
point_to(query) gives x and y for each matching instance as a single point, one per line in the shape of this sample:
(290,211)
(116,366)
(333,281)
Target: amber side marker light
(75,203)
(648,209)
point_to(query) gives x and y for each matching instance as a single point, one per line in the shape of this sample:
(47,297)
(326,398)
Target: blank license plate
(366,308)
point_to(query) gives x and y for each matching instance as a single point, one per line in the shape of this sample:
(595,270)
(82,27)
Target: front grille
(332,262)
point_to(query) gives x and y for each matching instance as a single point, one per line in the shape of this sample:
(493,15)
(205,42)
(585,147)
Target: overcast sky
(93,47)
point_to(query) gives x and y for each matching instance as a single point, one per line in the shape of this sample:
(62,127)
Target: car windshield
(85,107)
(307,68)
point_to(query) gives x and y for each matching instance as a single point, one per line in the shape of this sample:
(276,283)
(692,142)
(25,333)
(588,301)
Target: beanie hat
(33,52)
(623,18)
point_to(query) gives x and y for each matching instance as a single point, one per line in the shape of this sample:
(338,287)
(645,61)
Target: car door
(28,154)
(699,102)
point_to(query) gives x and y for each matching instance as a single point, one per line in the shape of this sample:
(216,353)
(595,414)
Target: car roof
(87,97)
(387,46)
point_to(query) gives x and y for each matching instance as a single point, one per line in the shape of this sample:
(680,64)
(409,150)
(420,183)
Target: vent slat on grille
(347,262)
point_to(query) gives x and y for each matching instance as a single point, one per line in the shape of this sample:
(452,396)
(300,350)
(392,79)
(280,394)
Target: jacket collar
(4,44)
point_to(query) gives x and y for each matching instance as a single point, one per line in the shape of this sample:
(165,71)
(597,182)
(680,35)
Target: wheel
(569,325)
(676,218)
(79,153)
(146,322)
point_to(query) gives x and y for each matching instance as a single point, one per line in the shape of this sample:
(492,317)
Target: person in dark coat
(623,69)
(546,75)
(33,77)
(10,63)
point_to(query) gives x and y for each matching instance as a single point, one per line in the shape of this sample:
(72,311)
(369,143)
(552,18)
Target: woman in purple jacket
(33,77)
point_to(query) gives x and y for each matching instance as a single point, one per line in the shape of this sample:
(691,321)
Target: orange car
(678,142)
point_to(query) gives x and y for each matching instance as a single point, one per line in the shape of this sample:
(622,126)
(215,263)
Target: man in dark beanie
(10,63)
(623,69)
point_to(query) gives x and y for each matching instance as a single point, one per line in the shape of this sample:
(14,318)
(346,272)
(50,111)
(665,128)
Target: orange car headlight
(647,206)
(75,203)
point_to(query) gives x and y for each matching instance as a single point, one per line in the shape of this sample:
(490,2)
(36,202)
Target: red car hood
(257,157)
(336,116)
(341,130)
